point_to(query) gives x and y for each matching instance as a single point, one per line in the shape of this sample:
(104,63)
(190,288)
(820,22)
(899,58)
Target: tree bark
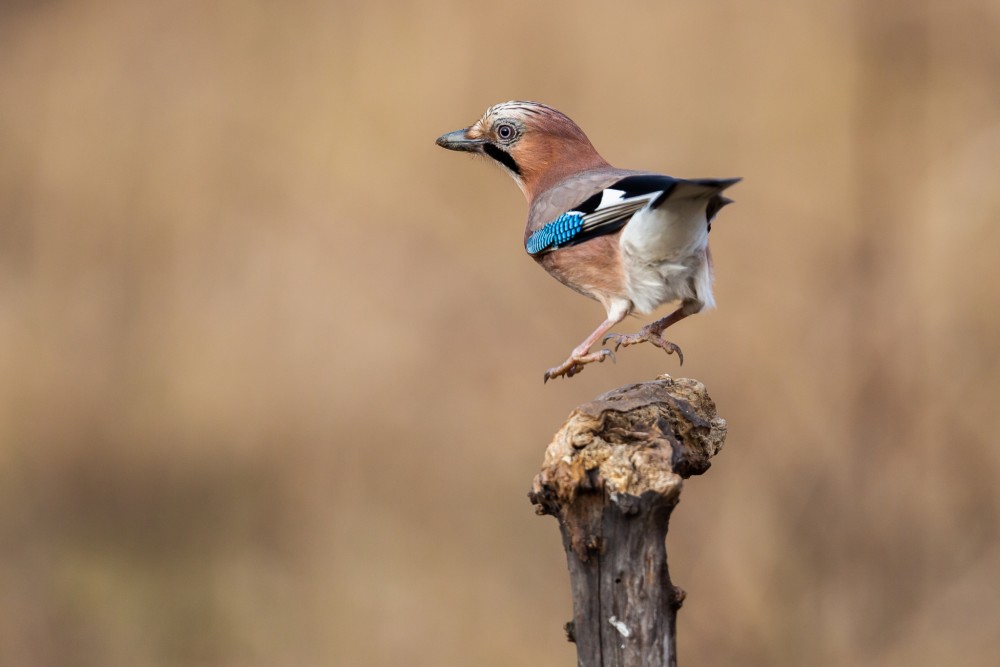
(611,476)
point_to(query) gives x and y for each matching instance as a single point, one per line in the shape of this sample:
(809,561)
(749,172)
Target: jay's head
(537,145)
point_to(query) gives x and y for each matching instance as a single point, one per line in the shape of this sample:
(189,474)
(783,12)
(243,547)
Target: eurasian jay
(632,240)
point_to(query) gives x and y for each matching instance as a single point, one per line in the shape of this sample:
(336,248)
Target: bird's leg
(651,333)
(582,354)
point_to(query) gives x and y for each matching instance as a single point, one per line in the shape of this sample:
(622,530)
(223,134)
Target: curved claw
(617,338)
(644,336)
(576,364)
(668,346)
(566,371)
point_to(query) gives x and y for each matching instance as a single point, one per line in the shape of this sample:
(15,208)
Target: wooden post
(611,476)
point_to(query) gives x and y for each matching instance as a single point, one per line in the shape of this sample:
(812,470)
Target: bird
(631,240)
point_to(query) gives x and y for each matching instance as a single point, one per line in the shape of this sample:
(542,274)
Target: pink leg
(651,333)
(582,354)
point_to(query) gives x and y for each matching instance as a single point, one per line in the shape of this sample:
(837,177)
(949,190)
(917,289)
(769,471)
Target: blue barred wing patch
(556,233)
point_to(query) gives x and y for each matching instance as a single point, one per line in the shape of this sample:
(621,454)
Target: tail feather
(715,204)
(707,187)
(701,187)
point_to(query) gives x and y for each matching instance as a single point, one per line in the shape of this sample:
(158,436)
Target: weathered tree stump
(611,476)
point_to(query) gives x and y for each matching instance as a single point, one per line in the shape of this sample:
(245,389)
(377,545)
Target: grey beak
(458,141)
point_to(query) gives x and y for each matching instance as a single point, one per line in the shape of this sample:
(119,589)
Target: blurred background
(271,361)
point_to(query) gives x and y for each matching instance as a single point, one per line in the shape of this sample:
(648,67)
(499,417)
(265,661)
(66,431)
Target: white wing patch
(616,209)
(610,196)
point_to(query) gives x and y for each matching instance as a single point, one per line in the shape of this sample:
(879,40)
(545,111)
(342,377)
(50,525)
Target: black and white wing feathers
(610,209)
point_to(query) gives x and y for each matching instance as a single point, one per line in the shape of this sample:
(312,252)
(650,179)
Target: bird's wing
(611,207)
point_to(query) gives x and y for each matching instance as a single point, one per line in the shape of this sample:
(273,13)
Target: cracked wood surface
(611,476)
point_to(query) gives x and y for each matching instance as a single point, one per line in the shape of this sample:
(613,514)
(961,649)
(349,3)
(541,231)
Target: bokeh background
(271,361)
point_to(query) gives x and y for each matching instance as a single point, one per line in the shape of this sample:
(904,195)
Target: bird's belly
(664,255)
(652,285)
(593,269)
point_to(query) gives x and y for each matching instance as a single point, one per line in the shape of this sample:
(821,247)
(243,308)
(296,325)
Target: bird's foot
(645,335)
(576,362)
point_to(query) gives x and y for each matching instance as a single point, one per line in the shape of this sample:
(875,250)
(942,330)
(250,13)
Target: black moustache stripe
(503,157)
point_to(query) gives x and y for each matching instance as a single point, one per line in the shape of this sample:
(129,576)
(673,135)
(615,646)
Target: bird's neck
(561,168)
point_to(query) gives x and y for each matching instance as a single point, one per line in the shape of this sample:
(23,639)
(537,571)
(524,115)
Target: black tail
(716,201)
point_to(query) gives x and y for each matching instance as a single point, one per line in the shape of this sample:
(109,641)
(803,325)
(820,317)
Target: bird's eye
(505,131)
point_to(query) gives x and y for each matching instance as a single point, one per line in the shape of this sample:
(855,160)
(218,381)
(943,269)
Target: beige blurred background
(271,362)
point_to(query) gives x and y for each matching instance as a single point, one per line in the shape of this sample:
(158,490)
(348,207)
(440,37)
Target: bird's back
(571,192)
